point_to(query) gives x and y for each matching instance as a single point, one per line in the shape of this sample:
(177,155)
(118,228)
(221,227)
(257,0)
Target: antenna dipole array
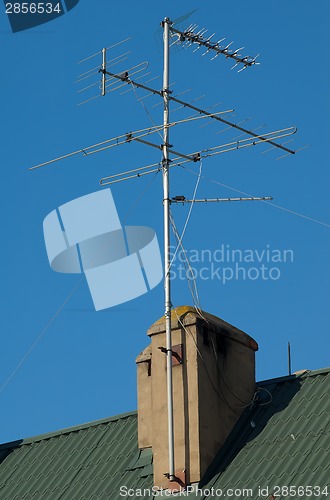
(190,37)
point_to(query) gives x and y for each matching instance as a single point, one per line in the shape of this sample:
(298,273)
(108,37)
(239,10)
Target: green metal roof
(85,462)
(283,439)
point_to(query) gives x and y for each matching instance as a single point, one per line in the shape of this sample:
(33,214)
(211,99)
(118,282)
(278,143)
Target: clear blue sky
(83,367)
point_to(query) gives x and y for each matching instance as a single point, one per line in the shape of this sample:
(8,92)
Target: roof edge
(66,430)
(94,423)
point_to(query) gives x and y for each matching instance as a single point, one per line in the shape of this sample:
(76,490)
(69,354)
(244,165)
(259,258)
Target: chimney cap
(188,316)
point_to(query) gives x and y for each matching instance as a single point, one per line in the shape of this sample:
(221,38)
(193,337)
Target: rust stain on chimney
(177,353)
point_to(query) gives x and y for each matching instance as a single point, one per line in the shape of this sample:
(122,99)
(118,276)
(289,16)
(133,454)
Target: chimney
(213,382)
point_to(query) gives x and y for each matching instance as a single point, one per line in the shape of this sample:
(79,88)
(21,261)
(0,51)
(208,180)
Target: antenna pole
(167,285)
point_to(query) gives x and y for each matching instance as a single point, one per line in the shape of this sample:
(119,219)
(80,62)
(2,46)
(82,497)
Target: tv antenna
(190,37)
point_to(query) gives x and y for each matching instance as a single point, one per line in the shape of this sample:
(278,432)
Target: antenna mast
(112,81)
(167,283)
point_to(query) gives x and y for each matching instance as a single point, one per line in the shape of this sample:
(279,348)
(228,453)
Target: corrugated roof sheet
(282,440)
(84,462)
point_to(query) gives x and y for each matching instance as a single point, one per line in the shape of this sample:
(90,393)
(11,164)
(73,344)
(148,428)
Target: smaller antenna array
(108,84)
(192,37)
(183,200)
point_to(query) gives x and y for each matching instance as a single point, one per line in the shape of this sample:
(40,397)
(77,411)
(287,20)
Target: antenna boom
(125,78)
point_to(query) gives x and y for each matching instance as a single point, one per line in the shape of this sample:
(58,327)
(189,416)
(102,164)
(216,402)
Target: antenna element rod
(167,258)
(104,69)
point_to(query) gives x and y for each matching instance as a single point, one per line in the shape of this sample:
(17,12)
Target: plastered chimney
(213,381)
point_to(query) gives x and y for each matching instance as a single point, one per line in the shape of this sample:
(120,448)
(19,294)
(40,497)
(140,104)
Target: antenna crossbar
(233,125)
(243,143)
(125,78)
(195,156)
(105,181)
(122,139)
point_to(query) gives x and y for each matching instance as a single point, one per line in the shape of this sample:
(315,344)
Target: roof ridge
(299,374)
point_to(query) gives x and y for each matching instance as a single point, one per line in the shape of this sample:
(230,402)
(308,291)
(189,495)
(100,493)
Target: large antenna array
(111,81)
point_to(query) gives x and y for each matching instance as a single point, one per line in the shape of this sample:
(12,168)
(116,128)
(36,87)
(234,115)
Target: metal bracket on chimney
(177,354)
(180,481)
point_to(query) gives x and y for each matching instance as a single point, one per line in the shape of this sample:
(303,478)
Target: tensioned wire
(51,321)
(188,216)
(195,298)
(36,341)
(219,391)
(262,201)
(193,290)
(194,295)
(66,300)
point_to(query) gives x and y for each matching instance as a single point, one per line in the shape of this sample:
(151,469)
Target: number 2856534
(33,8)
